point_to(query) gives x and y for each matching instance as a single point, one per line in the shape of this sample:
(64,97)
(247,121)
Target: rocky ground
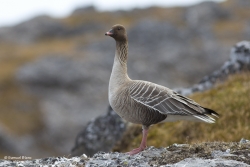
(177,155)
(54,72)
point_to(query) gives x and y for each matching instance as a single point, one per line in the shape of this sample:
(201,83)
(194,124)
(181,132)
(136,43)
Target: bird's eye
(119,28)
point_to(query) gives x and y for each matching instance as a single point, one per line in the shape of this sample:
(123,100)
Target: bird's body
(143,102)
(125,107)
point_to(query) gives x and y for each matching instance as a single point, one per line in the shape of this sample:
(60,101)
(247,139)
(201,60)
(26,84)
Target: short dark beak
(109,33)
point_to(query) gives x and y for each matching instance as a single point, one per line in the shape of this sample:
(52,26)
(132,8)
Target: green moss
(230,99)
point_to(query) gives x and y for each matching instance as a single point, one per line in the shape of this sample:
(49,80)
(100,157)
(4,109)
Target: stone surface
(197,162)
(205,13)
(100,134)
(151,157)
(67,92)
(46,162)
(167,57)
(52,71)
(239,61)
(31,30)
(43,27)
(83,10)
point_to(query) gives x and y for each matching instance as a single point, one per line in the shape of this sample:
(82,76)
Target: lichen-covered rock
(197,162)
(46,162)
(42,27)
(177,155)
(166,52)
(32,30)
(52,71)
(69,96)
(100,134)
(201,15)
(239,61)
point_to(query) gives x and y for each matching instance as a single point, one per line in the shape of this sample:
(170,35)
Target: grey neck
(119,74)
(122,52)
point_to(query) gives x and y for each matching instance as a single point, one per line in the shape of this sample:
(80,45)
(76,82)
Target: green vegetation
(230,99)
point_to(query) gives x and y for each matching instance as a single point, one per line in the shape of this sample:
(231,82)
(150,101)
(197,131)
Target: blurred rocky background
(54,72)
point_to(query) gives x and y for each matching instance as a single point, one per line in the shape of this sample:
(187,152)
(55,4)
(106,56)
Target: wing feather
(167,101)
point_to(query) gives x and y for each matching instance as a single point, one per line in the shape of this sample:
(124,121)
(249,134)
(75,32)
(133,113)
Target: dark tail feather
(211,112)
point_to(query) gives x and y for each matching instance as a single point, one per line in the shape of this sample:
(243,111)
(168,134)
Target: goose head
(117,32)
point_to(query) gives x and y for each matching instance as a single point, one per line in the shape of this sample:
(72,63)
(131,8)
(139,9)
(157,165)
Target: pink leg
(143,144)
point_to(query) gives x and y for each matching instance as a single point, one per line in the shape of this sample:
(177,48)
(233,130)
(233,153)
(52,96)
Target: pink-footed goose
(143,102)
